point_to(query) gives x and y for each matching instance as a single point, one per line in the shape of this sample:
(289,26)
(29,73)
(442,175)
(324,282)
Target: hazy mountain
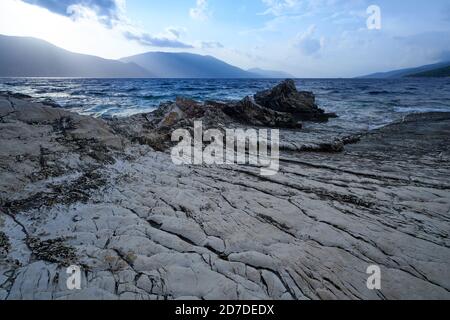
(30,57)
(187,65)
(435,73)
(407,72)
(270,73)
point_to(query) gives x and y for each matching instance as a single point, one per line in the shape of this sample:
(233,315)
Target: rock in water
(286,98)
(155,128)
(248,112)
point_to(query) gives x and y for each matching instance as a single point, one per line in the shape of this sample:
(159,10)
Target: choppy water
(360,103)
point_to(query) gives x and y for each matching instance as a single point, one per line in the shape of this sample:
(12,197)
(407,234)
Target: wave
(379,92)
(359,103)
(153,97)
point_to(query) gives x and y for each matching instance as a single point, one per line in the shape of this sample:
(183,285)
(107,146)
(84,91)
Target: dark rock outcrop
(155,128)
(249,112)
(286,98)
(245,112)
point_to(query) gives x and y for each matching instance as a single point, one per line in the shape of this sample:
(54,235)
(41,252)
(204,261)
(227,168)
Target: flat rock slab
(142,228)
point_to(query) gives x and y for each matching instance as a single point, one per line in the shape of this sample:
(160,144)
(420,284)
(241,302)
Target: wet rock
(15,95)
(51,103)
(334,146)
(286,98)
(155,128)
(249,112)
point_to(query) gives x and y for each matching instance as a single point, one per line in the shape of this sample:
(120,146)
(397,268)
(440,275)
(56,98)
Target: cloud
(328,9)
(428,44)
(168,39)
(288,13)
(112,14)
(307,43)
(200,11)
(444,55)
(211,45)
(107,11)
(174,32)
(281,7)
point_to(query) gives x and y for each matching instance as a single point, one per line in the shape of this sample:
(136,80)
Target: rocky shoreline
(105,195)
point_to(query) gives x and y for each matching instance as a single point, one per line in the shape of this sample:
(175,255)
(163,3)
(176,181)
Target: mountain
(30,57)
(187,65)
(435,73)
(407,72)
(271,73)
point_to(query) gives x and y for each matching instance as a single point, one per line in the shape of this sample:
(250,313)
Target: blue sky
(308,38)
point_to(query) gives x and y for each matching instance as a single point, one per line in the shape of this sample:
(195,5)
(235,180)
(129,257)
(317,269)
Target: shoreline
(395,99)
(90,192)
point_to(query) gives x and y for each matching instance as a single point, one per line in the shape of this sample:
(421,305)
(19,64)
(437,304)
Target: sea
(361,104)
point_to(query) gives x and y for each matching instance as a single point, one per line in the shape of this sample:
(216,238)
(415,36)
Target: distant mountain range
(271,73)
(440,69)
(186,65)
(434,73)
(31,57)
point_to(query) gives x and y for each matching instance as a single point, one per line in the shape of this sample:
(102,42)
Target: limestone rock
(141,227)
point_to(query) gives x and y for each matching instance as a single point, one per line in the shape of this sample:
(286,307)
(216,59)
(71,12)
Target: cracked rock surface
(77,191)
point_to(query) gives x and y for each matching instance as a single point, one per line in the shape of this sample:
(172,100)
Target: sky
(306,38)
